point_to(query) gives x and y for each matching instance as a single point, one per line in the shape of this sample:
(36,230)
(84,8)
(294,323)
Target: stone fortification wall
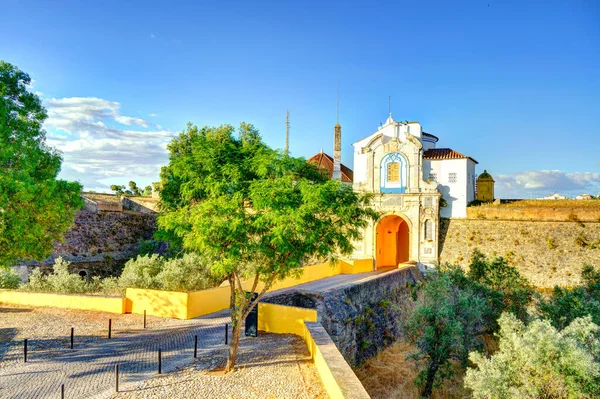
(548,253)
(361,318)
(98,243)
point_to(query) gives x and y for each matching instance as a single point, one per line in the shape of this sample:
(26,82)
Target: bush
(60,280)
(141,272)
(567,304)
(444,326)
(506,289)
(191,272)
(9,279)
(188,273)
(539,361)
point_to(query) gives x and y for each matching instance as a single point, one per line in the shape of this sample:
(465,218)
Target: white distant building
(401,165)
(584,197)
(555,196)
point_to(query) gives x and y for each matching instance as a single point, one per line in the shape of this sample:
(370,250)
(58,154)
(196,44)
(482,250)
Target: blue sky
(514,84)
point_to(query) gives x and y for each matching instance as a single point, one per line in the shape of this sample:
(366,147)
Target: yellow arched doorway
(392,241)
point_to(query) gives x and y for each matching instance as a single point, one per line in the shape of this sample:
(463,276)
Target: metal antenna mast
(287,132)
(337,114)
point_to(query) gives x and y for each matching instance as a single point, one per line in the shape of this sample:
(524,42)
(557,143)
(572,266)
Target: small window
(428,230)
(427,201)
(432,176)
(452,177)
(393,172)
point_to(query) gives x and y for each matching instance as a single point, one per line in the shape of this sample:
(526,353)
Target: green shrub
(551,243)
(141,272)
(62,281)
(539,361)
(504,287)
(444,325)
(37,281)
(567,304)
(188,273)
(9,279)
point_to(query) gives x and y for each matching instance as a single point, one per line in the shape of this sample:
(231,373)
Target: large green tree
(35,207)
(259,213)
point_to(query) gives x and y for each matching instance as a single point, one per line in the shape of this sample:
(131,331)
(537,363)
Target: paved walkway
(89,371)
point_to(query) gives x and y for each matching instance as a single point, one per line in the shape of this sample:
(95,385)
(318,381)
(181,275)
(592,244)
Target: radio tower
(287,132)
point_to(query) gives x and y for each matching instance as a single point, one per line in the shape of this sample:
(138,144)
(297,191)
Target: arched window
(394,173)
(428,230)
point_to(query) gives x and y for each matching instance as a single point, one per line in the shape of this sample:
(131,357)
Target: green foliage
(505,289)
(539,361)
(258,212)
(35,208)
(444,327)
(119,190)
(551,243)
(60,280)
(9,279)
(191,272)
(147,191)
(567,304)
(141,272)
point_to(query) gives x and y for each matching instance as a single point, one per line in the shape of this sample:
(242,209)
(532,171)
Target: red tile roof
(326,162)
(436,154)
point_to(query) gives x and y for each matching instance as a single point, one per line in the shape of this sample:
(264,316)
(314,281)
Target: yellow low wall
(282,319)
(178,305)
(329,382)
(157,303)
(82,302)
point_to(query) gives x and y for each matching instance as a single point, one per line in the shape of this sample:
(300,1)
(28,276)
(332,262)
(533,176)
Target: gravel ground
(48,330)
(269,366)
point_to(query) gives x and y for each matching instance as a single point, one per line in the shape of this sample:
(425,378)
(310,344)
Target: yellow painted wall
(157,303)
(329,383)
(208,301)
(356,266)
(83,302)
(284,319)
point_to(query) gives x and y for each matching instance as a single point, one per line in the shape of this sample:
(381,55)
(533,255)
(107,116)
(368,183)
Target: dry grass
(390,375)
(567,203)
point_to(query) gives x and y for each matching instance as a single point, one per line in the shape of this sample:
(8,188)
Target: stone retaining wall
(548,253)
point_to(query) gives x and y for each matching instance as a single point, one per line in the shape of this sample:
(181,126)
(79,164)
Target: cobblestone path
(90,371)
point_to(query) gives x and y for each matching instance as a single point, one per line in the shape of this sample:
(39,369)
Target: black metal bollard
(72,335)
(25,350)
(226,332)
(116,378)
(109,328)
(144,319)
(195,346)
(62,391)
(159,361)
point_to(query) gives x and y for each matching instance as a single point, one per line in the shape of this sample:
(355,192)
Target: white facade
(401,165)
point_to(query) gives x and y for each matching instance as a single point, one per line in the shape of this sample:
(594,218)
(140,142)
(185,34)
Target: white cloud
(538,182)
(127,120)
(152,115)
(94,147)
(152,36)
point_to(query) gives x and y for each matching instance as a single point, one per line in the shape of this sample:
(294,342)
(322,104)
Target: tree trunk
(233,346)
(428,390)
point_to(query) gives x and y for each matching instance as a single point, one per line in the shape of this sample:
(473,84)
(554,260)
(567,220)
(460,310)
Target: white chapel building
(409,175)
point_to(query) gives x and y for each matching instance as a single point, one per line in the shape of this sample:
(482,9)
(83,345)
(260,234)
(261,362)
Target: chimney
(337,152)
